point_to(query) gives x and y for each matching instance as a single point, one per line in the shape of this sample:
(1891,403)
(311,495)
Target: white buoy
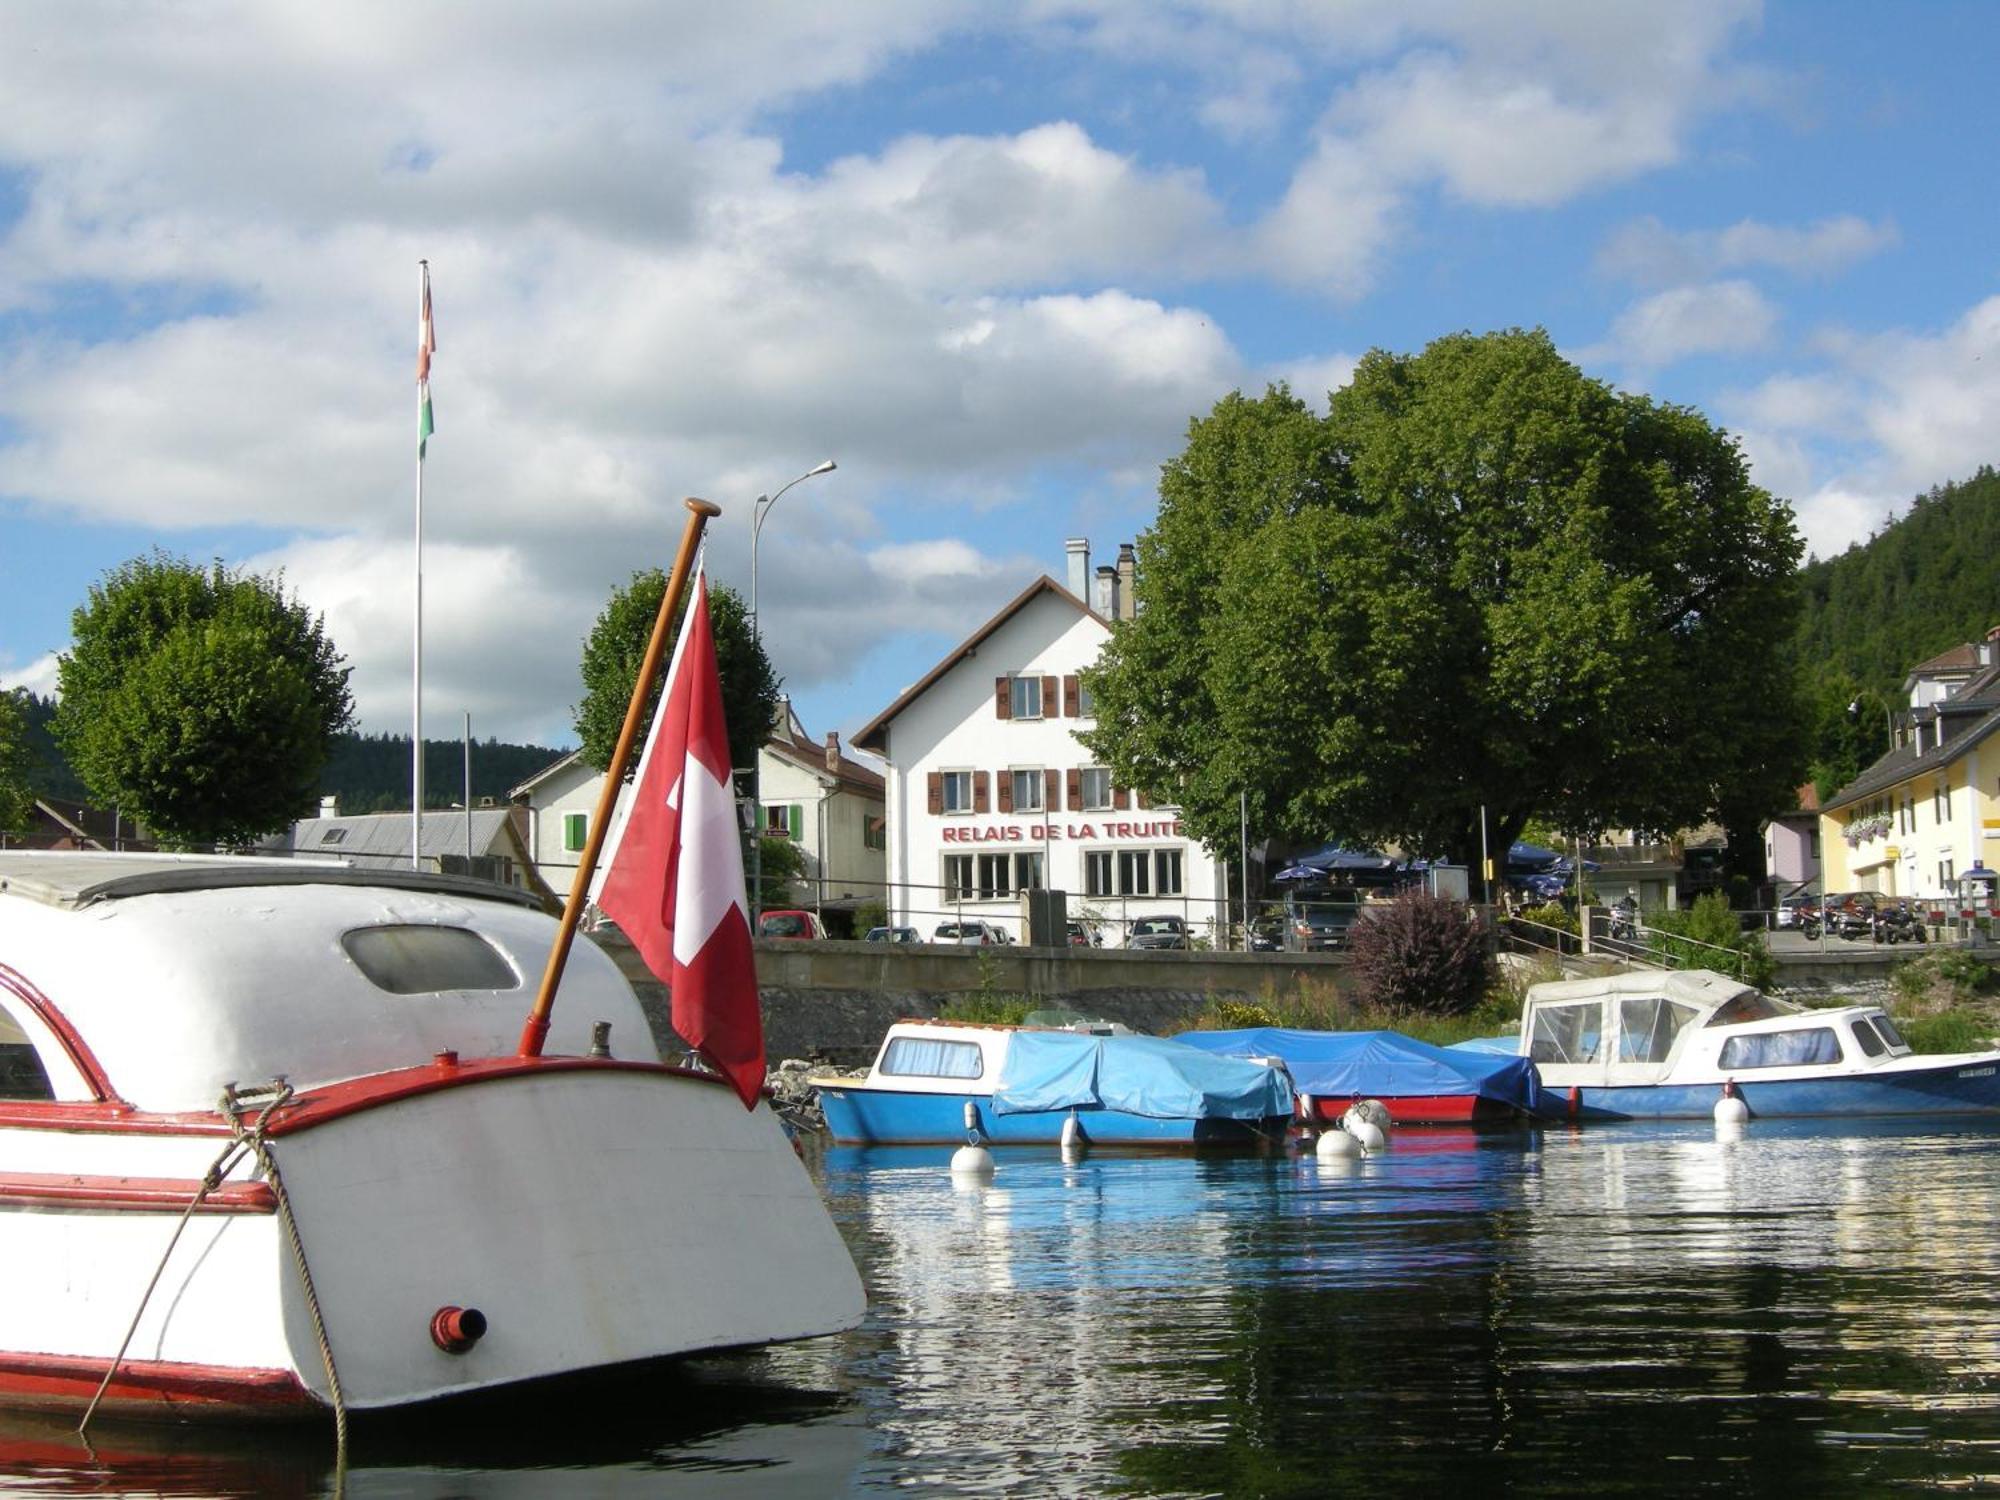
(1368,1122)
(972,1121)
(1336,1145)
(1730,1108)
(972,1161)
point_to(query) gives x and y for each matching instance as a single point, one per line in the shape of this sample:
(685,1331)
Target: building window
(1024,697)
(1167,872)
(1028,872)
(1095,783)
(957,791)
(1941,802)
(1135,868)
(334,836)
(784,820)
(874,833)
(1815,843)
(1097,872)
(1086,701)
(958,877)
(993,876)
(1028,791)
(574,827)
(1946,875)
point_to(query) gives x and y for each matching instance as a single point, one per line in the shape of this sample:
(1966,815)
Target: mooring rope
(247,1139)
(253,1138)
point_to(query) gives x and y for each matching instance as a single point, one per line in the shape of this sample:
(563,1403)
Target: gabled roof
(1900,765)
(866,738)
(807,756)
(552,769)
(1957,659)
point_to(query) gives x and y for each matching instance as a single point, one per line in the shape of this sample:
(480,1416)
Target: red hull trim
(78,1194)
(1418,1109)
(152,1387)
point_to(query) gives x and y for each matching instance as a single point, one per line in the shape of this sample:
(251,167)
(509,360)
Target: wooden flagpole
(536,1029)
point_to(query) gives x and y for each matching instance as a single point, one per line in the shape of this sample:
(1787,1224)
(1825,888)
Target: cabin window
(412,960)
(1867,1040)
(1568,1034)
(931,1057)
(22,1075)
(1781,1049)
(1647,1028)
(1748,1006)
(1889,1032)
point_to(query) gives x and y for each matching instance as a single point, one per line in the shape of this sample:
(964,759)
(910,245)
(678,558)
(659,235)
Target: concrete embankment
(834,1000)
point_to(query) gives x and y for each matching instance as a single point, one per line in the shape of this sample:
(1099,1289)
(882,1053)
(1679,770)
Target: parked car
(801,926)
(1084,935)
(893,935)
(1791,911)
(970,933)
(1322,925)
(1267,935)
(1157,932)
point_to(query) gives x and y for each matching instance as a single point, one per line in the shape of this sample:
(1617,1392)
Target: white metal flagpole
(426,346)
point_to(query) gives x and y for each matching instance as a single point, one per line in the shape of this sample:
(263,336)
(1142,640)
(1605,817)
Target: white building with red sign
(990,793)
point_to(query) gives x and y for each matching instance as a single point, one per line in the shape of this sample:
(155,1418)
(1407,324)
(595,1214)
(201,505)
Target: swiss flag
(674,877)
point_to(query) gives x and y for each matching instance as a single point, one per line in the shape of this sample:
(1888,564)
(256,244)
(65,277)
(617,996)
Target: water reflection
(1622,1310)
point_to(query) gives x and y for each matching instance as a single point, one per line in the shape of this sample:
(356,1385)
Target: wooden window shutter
(1003,698)
(795,821)
(934,792)
(1144,800)
(1006,790)
(1052,790)
(1121,798)
(1072,696)
(1075,779)
(1051,687)
(982,800)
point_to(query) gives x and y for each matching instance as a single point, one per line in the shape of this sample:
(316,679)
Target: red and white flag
(674,876)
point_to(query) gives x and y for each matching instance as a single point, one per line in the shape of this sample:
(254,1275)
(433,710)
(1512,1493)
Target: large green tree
(1481,581)
(616,647)
(17,763)
(200,700)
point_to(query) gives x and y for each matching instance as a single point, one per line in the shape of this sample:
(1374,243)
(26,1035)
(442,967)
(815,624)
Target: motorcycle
(1624,923)
(1898,924)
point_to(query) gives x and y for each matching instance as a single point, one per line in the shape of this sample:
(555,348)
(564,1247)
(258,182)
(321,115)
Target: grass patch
(988,1009)
(1316,1005)
(1947,1031)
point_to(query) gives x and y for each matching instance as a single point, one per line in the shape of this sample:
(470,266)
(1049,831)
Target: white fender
(972,1161)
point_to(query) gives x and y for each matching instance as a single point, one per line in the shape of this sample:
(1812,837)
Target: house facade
(1929,810)
(991,794)
(816,797)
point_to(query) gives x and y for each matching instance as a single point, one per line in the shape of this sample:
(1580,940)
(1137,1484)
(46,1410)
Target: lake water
(1620,1310)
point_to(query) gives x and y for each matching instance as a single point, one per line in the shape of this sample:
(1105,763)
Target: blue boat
(941,1081)
(1420,1084)
(1666,1046)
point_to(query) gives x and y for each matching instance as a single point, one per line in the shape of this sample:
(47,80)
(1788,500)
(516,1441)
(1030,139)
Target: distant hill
(1927,581)
(367,772)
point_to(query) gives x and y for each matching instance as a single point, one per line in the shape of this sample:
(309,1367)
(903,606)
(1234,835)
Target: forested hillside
(1925,582)
(368,773)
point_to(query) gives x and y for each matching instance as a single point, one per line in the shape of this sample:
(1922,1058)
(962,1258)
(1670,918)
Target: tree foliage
(616,648)
(1482,581)
(17,763)
(200,700)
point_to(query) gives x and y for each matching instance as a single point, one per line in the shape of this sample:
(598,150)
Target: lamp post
(1888,719)
(758,510)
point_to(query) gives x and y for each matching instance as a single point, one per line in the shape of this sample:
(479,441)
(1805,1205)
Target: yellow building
(1929,810)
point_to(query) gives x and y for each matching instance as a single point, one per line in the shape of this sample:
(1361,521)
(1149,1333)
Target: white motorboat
(267,1146)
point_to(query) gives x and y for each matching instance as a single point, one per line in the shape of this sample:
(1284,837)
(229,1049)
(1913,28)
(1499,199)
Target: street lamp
(1888,719)
(758,510)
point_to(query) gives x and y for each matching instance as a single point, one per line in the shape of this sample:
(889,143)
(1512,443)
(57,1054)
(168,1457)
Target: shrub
(1420,954)
(1690,937)
(870,914)
(1951,1031)
(1551,914)
(993,1009)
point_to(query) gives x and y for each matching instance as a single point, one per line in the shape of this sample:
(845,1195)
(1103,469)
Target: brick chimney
(1127,566)
(833,751)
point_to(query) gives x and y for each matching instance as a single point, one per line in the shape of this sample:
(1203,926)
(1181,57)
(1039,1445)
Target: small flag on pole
(426,347)
(674,877)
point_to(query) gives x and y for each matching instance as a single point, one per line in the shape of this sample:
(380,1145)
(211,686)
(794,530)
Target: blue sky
(989,257)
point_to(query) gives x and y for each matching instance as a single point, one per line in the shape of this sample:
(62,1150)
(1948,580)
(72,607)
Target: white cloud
(1646,251)
(1313,380)
(38,676)
(1723,317)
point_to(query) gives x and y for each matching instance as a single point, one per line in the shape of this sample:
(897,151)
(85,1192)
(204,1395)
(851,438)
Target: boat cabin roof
(1701,989)
(158,979)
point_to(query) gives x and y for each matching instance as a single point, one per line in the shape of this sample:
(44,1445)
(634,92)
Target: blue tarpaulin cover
(1379,1065)
(1141,1075)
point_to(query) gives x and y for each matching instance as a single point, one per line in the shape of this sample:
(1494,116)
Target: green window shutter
(574,825)
(795,816)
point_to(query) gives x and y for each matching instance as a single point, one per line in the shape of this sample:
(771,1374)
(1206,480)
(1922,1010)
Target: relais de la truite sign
(1051,831)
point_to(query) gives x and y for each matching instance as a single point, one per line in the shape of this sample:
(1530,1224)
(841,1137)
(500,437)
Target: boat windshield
(1647,1028)
(931,1057)
(1749,1006)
